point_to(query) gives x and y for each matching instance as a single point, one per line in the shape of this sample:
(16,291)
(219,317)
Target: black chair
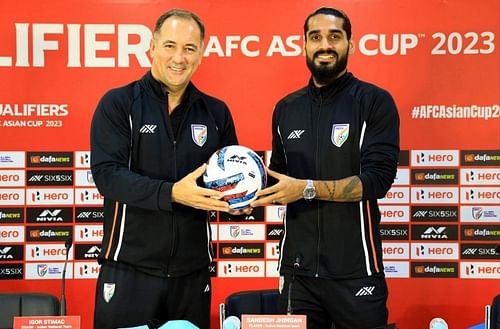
(26,304)
(249,302)
(494,316)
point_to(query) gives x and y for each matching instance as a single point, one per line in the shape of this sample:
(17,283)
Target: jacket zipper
(317,171)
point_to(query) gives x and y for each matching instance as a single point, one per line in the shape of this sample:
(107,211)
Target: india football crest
(108,291)
(340,133)
(199,134)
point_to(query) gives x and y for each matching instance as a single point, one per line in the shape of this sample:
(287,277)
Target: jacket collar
(327,92)
(158,90)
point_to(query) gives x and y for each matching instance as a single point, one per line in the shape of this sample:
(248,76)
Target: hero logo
(50,196)
(435,251)
(444,158)
(11,197)
(398,214)
(241,269)
(91,233)
(396,195)
(481,176)
(484,270)
(8,178)
(395,250)
(481,195)
(86,270)
(435,195)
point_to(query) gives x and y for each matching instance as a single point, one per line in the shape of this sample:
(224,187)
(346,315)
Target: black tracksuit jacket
(135,160)
(347,128)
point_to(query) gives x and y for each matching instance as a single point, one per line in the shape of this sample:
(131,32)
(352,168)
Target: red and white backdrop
(439,59)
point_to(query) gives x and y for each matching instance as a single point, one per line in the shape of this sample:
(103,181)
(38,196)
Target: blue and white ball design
(238,172)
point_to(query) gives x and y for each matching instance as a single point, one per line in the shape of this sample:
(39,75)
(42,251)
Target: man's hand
(288,189)
(188,193)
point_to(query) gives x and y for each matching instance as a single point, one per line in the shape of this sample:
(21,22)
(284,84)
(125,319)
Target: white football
(238,172)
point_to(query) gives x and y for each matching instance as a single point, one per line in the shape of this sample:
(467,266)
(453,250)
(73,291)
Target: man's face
(327,48)
(176,52)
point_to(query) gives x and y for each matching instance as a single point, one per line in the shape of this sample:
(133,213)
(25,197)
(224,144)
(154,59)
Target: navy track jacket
(347,128)
(136,159)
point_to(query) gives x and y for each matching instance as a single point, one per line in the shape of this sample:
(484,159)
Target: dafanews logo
(434,232)
(48,233)
(434,213)
(434,270)
(480,158)
(479,251)
(11,215)
(241,250)
(49,159)
(434,176)
(480,232)
(257,215)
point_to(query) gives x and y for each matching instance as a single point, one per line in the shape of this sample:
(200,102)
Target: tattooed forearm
(330,189)
(350,192)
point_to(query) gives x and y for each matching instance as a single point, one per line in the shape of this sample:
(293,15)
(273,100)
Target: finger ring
(274,201)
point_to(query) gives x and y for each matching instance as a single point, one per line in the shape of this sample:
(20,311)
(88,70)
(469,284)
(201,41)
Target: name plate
(253,321)
(47,322)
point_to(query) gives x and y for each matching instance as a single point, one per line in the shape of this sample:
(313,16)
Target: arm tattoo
(349,188)
(331,191)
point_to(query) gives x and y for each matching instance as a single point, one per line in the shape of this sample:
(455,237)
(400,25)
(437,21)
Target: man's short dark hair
(183,14)
(332,12)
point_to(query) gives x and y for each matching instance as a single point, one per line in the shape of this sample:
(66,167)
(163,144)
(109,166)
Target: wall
(439,60)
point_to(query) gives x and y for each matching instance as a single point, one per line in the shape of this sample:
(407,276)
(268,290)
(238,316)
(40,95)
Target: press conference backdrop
(439,59)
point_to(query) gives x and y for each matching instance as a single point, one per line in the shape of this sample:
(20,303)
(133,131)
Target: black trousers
(126,297)
(339,304)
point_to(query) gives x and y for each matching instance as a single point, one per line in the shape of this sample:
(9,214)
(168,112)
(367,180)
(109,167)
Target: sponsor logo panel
(439,232)
(480,214)
(254,269)
(241,250)
(395,250)
(480,176)
(11,234)
(212,269)
(89,214)
(275,214)
(434,158)
(394,232)
(394,214)
(49,215)
(480,270)
(480,251)
(82,159)
(88,233)
(396,195)
(257,215)
(250,232)
(49,178)
(480,158)
(402,177)
(48,233)
(480,232)
(434,270)
(486,195)
(434,251)
(84,178)
(272,269)
(87,251)
(44,196)
(434,213)
(432,195)
(12,178)
(47,270)
(13,159)
(86,270)
(395,269)
(11,215)
(47,252)
(12,196)
(12,252)
(434,176)
(11,271)
(49,159)
(214,229)
(274,232)
(212,215)
(272,250)
(88,196)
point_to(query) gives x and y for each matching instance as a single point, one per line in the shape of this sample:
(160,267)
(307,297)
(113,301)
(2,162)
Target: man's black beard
(326,74)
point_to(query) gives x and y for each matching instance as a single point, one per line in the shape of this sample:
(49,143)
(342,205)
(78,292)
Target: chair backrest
(495,313)
(25,304)
(252,302)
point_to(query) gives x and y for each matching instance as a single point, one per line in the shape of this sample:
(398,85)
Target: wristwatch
(309,191)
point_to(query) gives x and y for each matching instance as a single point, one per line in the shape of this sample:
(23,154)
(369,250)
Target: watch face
(309,191)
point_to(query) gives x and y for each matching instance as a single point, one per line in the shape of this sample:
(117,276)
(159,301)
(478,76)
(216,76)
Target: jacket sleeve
(278,158)
(380,147)
(111,136)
